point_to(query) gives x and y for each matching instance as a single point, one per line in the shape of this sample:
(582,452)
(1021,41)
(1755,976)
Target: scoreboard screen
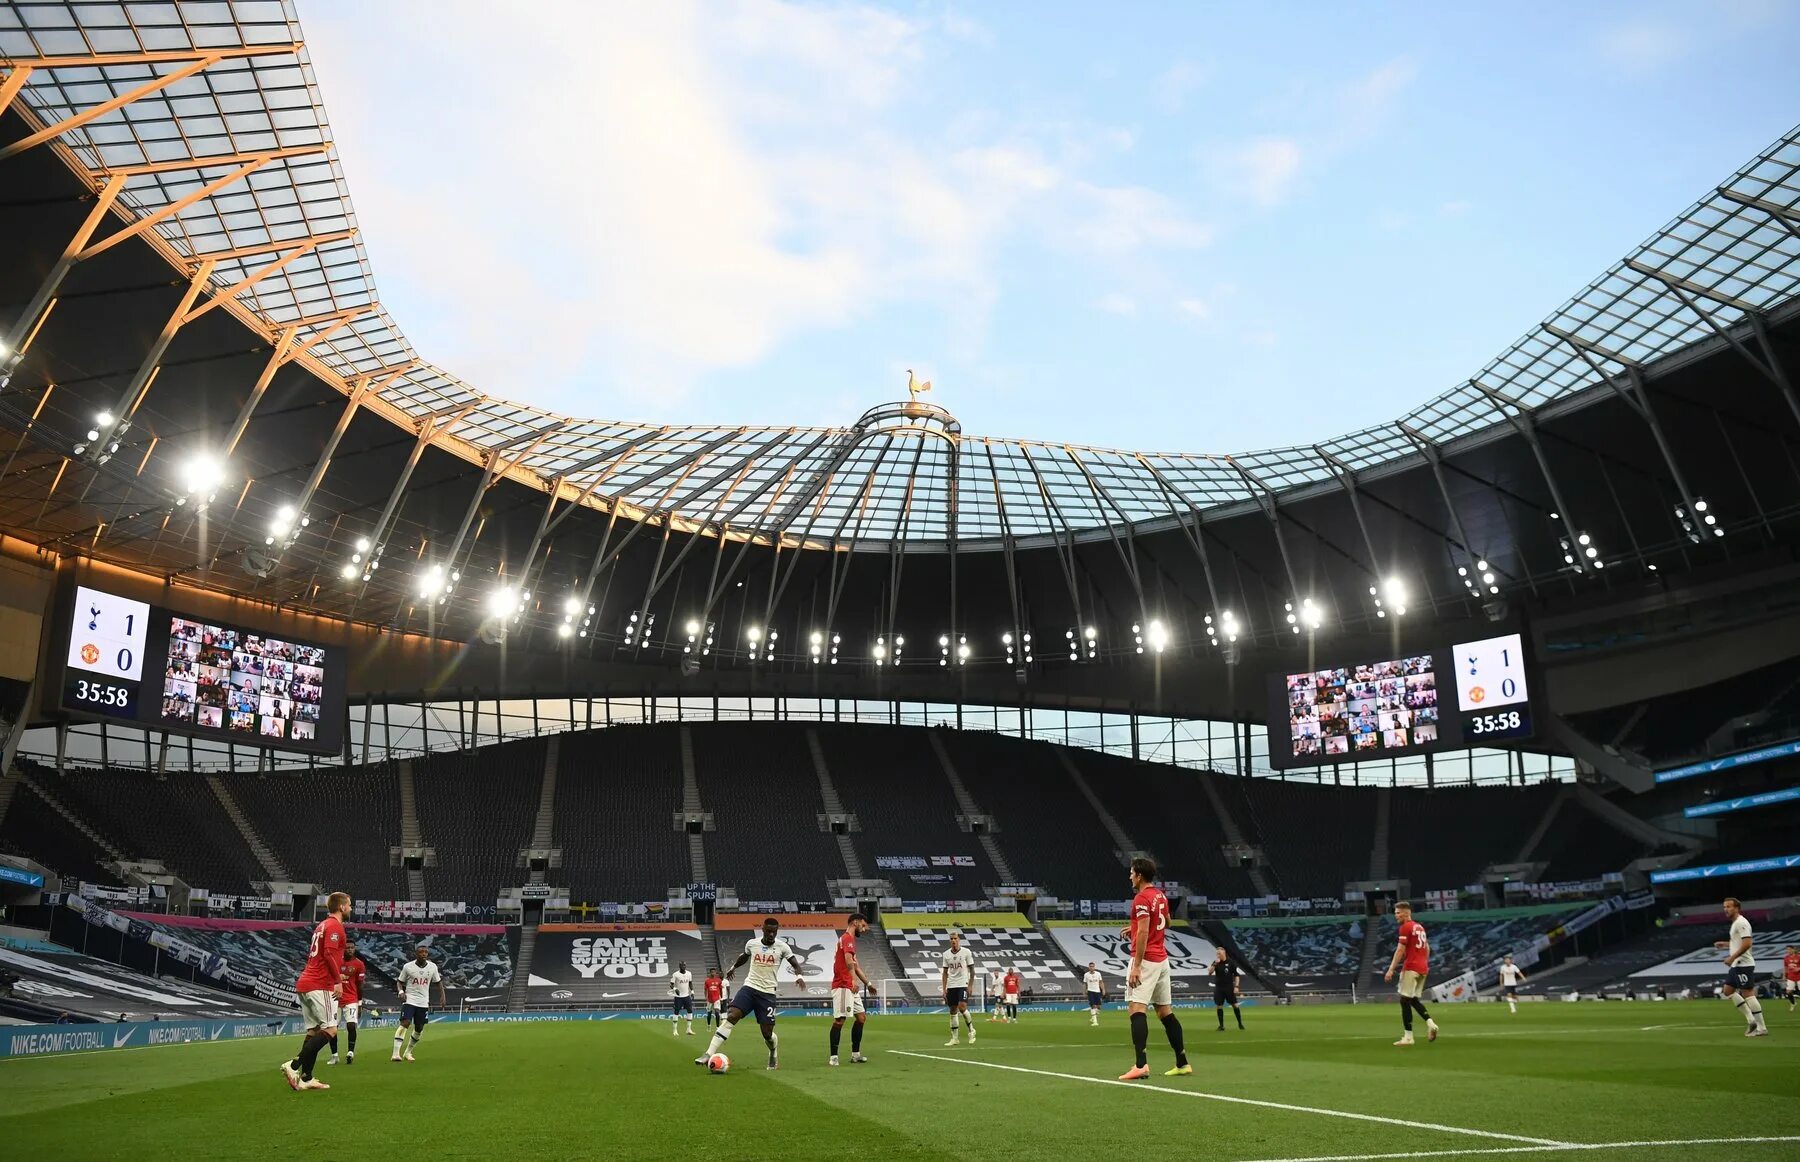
(134,662)
(1468,694)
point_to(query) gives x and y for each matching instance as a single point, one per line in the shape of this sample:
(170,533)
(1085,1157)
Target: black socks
(1172,1027)
(1140,1037)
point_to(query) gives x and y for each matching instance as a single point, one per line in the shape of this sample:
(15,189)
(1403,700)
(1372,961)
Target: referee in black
(1228,983)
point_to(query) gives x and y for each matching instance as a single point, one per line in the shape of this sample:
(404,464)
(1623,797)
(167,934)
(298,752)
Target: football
(718,1063)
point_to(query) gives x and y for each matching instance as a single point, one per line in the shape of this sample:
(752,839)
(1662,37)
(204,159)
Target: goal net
(893,992)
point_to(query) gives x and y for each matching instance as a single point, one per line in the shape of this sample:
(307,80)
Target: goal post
(890,994)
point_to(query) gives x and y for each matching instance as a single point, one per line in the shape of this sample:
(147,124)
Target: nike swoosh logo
(216,1032)
(610,996)
(120,1038)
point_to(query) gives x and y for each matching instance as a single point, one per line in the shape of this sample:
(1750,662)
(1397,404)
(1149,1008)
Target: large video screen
(1468,694)
(165,670)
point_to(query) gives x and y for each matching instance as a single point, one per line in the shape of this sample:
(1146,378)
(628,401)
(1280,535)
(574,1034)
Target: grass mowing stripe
(1247,1101)
(1485,1151)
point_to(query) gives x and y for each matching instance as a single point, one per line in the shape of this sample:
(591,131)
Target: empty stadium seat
(476,808)
(758,781)
(329,826)
(617,791)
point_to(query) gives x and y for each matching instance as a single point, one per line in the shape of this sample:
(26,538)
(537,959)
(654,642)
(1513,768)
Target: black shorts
(414,1015)
(1510,991)
(1222,999)
(1741,978)
(684,1005)
(954,996)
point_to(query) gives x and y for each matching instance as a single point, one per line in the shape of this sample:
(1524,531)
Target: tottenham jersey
(959,964)
(764,960)
(1740,930)
(1510,974)
(1092,981)
(417,979)
(681,984)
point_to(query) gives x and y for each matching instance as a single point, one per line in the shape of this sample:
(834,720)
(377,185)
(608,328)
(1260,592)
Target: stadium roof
(205,121)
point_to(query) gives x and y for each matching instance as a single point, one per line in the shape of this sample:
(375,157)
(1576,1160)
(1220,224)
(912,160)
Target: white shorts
(1012,998)
(1412,984)
(846,1003)
(350,1013)
(1153,987)
(318,1009)
(1793,986)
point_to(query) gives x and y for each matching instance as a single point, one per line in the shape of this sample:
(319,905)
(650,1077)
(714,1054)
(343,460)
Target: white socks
(719,1037)
(1513,1005)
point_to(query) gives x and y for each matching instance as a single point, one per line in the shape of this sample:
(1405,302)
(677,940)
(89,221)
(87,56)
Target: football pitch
(1654,1080)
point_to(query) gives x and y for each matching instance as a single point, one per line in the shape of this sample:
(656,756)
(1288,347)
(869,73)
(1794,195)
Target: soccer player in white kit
(1740,969)
(681,987)
(414,984)
(764,954)
(997,990)
(1096,991)
(956,976)
(1511,977)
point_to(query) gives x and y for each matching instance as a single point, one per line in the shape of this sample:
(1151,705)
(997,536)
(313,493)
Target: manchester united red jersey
(324,959)
(1151,905)
(841,977)
(1011,983)
(715,988)
(354,973)
(1418,951)
(1791,965)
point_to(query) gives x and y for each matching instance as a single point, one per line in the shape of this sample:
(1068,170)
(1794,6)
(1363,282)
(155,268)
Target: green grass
(1588,1073)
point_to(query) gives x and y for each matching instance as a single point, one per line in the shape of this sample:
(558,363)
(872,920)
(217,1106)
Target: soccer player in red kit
(846,992)
(1148,981)
(321,983)
(1790,968)
(350,1003)
(1413,958)
(1009,988)
(715,992)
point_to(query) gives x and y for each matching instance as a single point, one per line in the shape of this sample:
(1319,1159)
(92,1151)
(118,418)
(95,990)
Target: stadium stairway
(879,963)
(969,808)
(265,855)
(1378,849)
(690,805)
(1127,848)
(828,797)
(518,990)
(409,826)
(543,827)
(1259,879)
(57,805)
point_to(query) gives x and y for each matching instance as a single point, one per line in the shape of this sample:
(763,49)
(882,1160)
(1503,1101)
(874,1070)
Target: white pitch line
(1244,1101)
(1490,1150)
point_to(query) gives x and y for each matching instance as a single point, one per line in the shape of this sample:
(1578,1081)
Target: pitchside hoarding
(1708,961)
(591,964)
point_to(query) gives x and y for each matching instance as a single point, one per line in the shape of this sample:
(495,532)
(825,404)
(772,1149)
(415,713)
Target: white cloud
(1176,84)
(1642,46)
(1456,208)
(689,191)
(1115,303)
(1262,170)
(1194,308)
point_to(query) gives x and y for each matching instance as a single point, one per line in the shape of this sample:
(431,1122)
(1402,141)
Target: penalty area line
(1539,1143)
(1485,1151)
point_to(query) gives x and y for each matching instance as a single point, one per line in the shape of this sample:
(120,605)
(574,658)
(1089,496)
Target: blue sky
(1189,227)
